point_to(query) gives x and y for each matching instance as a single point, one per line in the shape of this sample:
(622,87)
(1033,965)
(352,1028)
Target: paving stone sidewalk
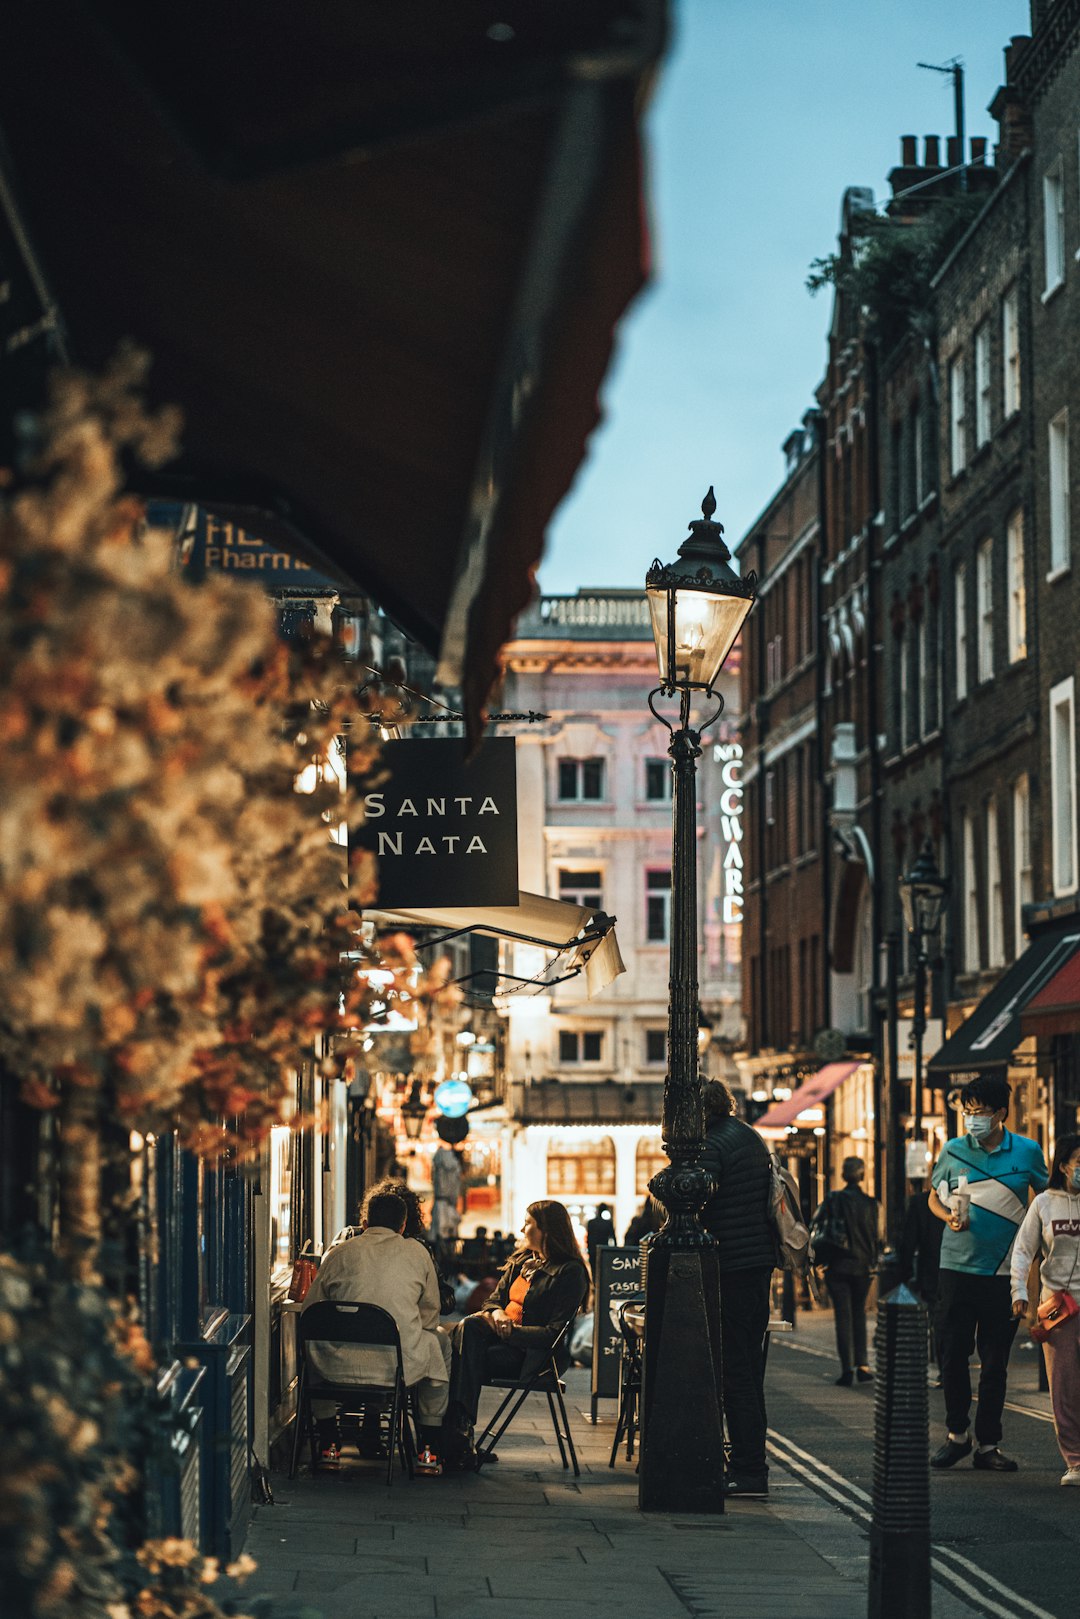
(526,1540)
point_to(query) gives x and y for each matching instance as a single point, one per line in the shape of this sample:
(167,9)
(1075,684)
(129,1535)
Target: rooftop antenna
(956,69)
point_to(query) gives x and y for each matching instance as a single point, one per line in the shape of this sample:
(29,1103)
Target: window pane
(655,1045)
(658,879)
(656,931)
(657,779)
(568,778)
(592,776)
(568,1045)
(593,1042)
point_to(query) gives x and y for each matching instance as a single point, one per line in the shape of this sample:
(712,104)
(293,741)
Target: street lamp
(698,605)
(414,1112)
(922,895)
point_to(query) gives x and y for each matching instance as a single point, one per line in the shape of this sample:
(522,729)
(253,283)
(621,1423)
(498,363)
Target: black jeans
(974,1312)
(478,1357)
(744,1319)
(848,1294)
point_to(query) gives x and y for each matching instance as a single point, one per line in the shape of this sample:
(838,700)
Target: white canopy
(586,936)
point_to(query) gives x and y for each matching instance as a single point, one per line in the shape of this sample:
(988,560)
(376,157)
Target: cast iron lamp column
(922,895)
(698,605)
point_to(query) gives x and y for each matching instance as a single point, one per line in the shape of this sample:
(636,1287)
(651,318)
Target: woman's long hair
(1063,1151)
(560,1244)
(415,1224)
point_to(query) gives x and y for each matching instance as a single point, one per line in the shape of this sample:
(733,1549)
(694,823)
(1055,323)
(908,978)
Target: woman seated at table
(543,1285)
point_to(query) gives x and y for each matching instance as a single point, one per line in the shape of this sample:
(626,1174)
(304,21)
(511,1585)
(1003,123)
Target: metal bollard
(900,1527)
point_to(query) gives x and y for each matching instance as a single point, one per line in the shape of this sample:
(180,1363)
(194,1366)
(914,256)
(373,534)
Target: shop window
(655,1047)
(658,781)
(581,888)
(581,780)
(581,1045)
(658,906)
(281,1177)
(649,1160)
(581,1167)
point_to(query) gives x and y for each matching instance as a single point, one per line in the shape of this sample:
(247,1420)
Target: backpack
(830,1238)
(785,1213)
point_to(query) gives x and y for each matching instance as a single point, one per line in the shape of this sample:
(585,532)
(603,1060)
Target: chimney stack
(909,151)
(933,152)
(978,150)
(953,155)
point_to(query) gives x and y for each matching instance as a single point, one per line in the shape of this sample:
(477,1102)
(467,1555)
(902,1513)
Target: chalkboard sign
(617,1275)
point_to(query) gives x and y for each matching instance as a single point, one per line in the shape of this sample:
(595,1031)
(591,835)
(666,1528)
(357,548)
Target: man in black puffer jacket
(738,1215)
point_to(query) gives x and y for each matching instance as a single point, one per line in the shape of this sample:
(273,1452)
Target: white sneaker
(1072,1476)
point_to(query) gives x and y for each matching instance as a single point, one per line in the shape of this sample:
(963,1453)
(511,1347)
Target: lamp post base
(682,1430)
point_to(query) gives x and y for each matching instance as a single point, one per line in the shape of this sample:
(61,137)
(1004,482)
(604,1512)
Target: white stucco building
(594,807)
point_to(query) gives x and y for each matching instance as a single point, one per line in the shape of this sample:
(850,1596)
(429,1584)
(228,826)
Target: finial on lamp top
(708,505)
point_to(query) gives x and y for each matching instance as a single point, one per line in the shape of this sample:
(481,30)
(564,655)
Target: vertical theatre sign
(443,827)
(729,756)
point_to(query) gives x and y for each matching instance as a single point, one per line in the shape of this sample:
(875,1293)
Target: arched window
(581,1166)
(649,1160)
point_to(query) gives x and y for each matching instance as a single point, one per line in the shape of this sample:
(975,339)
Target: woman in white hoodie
(1051,1232)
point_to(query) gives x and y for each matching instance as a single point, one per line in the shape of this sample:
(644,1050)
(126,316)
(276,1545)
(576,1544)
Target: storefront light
(782,1093)
(819,1129)
(759,1096)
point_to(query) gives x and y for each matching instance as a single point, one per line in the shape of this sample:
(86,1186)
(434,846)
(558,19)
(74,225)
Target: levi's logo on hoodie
(1066,1228)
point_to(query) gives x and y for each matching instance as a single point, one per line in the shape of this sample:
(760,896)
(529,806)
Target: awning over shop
(582,940)
(1056,1008)
(985,1041)
(603,1102)
(812,1094)
(377,253)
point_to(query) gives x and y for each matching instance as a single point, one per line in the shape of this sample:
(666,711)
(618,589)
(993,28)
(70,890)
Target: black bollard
(900,1528)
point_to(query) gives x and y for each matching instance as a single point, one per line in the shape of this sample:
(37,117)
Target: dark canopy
(377,252)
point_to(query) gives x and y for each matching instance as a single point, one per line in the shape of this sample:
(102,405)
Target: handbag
(303,1274)
(1052,1312)
(829,1235)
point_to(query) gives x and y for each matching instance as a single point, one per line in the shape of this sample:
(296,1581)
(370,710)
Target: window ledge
(1017,662)
(1045,297)
(1058,573)
(981,450)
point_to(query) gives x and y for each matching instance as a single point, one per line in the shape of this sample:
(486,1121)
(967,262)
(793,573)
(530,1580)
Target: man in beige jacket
(382,1267)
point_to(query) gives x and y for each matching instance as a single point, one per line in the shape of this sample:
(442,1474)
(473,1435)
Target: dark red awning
(1056,1008)
(377,252)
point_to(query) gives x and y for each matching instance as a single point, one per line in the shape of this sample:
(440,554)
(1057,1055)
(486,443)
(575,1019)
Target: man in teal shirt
(981,1185)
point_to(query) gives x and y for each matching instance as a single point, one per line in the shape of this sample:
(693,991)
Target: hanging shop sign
(453,1098)
(209,544)
(729,756)
(443,826)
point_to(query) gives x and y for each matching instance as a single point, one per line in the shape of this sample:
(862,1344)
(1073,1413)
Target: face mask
(979,1125)
(1074,1180)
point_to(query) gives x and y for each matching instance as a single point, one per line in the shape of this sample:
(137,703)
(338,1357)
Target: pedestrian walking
(738,1215)
(600,1231)
(1051,1232)
(919,1260)
(981,1185)
(845,1233)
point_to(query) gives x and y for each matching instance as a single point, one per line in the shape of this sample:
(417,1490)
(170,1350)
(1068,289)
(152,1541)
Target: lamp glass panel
(706,624)
(908,908)
(928,902)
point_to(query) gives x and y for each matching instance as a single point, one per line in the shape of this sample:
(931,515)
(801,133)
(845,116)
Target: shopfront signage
(443,827)
(729,756)
(209,544)
(616,1276)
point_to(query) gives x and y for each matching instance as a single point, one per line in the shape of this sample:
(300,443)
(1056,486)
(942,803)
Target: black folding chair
(545,1380)
(337,1322)
(629,1385)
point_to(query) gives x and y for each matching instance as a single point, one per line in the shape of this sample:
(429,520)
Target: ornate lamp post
(698,605)
(922,895)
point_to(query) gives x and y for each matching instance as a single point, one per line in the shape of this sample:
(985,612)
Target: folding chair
(336,1322)
(545,1380)
(629,1385)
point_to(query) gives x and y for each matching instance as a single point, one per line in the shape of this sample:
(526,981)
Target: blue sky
(765,111)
